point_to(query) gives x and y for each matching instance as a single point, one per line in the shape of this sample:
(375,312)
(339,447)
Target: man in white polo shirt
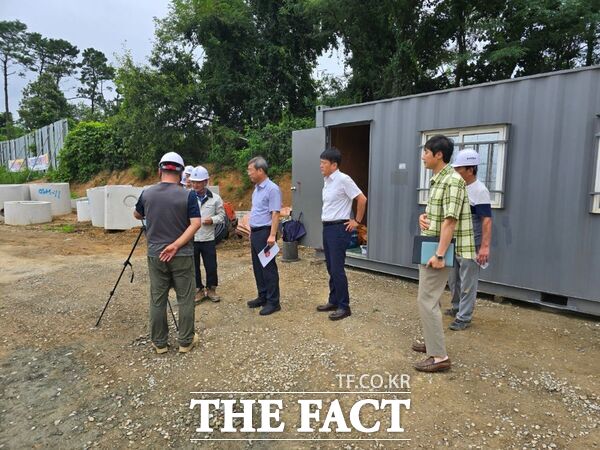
(339,191)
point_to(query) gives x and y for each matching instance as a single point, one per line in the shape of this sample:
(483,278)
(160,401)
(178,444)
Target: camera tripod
(125,264)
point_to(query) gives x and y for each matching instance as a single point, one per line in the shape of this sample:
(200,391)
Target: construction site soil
(521,377)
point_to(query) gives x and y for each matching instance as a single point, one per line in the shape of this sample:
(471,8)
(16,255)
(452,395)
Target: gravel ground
(521,377)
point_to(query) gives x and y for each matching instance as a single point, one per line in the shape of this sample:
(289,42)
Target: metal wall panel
(544,239)
(307,182)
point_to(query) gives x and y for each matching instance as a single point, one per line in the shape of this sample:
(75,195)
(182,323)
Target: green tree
(57,57)
(159,112)
(13,52)
(257,56)
(40,52)
(525,37)
(43,103)
(15,130)
(390,48)
(95,70)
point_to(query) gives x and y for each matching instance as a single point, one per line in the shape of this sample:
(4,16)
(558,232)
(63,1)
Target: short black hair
(440,143)
(332,154)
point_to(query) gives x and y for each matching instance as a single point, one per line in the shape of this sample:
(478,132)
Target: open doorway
(353,141)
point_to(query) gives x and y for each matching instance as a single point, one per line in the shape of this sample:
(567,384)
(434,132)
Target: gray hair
(260,163)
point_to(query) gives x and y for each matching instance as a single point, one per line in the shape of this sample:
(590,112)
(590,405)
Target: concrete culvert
(27,212)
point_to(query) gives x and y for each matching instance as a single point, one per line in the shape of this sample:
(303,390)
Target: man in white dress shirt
(339,191)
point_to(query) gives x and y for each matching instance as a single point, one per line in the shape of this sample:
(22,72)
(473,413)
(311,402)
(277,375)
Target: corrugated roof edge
(463,88)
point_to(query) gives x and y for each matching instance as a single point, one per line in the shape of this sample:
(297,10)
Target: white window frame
(596,192)
(497,195)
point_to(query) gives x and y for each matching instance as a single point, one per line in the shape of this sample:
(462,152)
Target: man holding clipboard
(449,216)
(264,221)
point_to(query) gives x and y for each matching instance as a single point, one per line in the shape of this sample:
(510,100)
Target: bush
(224,143)
(90,148)
(141,172)
(273,142)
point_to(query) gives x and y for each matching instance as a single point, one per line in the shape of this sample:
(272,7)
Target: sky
(111,26)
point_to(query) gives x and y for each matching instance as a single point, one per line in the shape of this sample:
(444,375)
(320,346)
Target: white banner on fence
(16,165)
(41,162)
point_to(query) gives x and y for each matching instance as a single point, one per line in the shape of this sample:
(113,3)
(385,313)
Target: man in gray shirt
(172,217)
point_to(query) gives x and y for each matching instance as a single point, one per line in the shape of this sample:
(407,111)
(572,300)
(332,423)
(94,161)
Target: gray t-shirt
(167,208)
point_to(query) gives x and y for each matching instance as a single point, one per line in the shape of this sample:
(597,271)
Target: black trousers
(267,278)
(208,251)
(335,243)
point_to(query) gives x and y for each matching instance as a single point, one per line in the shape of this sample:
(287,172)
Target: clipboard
(424,247)
(267,254)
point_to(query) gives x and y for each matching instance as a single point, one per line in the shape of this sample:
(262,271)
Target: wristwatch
(439,257)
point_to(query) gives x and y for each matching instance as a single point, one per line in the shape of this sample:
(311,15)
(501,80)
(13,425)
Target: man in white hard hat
(464,277)
(185,177)
(172,218)
(205,247)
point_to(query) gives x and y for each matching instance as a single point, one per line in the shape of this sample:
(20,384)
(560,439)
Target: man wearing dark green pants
(172,217)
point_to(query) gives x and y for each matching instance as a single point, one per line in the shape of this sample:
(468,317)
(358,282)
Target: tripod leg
(173,314)
(125,264)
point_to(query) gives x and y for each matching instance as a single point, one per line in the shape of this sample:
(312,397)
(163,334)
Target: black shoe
(339,314)
(451,312)
(327,307)
(270,309)
(256,303)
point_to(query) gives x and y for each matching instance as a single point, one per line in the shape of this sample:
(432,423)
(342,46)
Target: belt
(265,227)
(334,222)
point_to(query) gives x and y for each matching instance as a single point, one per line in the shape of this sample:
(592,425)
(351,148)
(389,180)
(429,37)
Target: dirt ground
(521,377)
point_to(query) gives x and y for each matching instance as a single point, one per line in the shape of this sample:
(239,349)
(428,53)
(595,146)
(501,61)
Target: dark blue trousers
(208,251)
(335,243)
(267,278)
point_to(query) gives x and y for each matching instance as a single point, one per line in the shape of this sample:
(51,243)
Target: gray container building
(539,141)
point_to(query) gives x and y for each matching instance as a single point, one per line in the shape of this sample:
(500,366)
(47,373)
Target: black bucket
(289,251)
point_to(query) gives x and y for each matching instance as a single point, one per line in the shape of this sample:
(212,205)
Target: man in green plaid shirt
(449,215)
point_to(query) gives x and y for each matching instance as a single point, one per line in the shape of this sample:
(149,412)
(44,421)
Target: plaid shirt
(448,198)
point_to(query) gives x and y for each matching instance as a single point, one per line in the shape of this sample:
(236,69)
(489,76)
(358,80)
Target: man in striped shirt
(449,216)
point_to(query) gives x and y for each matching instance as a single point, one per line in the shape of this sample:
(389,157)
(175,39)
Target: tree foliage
(257,56)
(94,71)
(43,103)
(230,79)
(411,46)
(158,113)
(13,53)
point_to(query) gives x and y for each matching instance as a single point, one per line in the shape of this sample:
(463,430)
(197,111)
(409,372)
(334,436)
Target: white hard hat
(188,169)
(466,158)
(183,179)
(171,161)
(199,174)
